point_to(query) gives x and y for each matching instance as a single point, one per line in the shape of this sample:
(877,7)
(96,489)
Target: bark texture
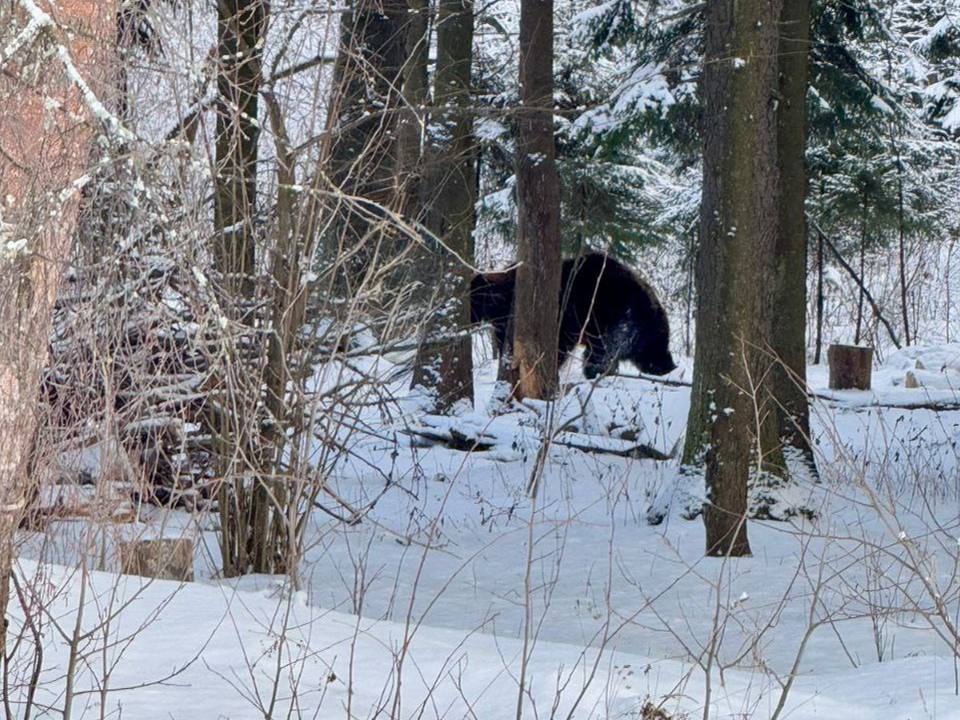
(246,514)
(851,367)
(445,362)
(789,330)
(241,25)
(536,311)
(735,265)
(46,130)
(412,113)
(362,118)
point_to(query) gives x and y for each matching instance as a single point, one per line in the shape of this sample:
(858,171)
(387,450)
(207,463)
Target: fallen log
(465,441)
(602,445)
(655,379)
(451,438)
(918,404)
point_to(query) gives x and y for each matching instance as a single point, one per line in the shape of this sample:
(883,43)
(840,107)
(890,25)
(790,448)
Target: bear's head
(653,354)
(657,361)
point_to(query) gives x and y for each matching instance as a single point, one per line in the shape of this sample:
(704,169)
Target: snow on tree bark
(738,234)
(51,110)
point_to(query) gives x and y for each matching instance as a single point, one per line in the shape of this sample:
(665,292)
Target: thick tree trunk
(536,313)
(789,331)
(45,150)
(444,362)
(738,236)
(412,113)
(361,161)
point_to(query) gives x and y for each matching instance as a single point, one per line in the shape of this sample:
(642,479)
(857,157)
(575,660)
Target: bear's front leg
(595,363)
(600,359)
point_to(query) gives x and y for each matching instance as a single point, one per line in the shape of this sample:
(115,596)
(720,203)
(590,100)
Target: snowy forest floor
(456,589)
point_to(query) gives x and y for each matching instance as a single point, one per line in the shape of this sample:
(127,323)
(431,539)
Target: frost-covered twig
(41,21)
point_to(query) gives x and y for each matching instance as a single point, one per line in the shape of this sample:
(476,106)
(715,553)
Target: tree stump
(851,367)
(164,559)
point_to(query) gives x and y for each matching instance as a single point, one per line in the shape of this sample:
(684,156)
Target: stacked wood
(128,351)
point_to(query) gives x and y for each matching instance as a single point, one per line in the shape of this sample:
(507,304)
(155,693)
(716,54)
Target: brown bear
(604,306)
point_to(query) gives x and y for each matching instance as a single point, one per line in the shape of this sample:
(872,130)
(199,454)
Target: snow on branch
(41,21)
(26,36)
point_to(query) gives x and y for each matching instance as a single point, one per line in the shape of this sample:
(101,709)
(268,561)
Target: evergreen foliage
(883,112)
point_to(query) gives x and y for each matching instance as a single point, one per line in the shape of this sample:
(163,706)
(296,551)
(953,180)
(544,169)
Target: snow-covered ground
(457,589)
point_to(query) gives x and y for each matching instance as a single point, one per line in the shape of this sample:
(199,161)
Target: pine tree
(362,119)
(792,416)
(536,298)
(872,69)
(615,194)
(738,236)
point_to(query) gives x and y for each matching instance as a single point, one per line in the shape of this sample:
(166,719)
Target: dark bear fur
(605,306)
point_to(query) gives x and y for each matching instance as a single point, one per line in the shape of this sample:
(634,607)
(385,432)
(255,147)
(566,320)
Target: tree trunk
(241,25)
(362,117)
(901,242)
(45,150)
(789,331)
(444,361)
(819,347)
(692,248)
(863,262)
(245,509)
(412,113)
(536,314)
(739,220)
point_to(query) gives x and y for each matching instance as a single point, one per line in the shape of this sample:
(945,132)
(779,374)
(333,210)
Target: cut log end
(851,367)
(164,559)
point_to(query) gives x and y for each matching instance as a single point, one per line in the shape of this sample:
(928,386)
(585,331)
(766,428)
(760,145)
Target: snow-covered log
(448,432)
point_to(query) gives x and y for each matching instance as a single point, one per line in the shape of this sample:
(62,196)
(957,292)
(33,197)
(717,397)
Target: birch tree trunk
(44,153)
(536,300)
(738,217)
